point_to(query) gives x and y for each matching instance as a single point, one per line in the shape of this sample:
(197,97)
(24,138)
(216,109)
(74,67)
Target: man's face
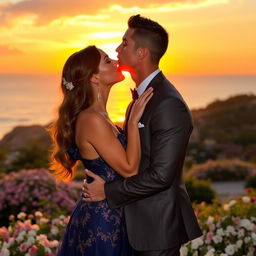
(127,56)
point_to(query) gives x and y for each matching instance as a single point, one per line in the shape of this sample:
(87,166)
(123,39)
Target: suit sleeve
(170,127)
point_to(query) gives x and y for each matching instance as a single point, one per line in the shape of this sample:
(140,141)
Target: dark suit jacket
(157,207)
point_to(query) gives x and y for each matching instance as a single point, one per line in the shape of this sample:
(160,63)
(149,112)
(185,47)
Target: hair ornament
(69,85)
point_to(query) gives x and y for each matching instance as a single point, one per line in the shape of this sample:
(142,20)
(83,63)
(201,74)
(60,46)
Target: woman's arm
(99,134)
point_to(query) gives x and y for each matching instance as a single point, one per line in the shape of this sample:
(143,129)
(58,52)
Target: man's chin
(125,68)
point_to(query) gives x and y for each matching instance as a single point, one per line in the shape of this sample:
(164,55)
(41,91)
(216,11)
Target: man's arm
(170,130)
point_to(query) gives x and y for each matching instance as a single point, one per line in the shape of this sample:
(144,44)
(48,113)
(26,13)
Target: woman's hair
(77,96)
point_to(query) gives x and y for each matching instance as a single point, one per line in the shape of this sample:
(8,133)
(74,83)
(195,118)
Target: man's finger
(91,174)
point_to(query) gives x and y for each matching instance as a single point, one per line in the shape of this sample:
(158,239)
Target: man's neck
(141,74)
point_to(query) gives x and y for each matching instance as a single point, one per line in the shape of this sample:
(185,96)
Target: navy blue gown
(94,229)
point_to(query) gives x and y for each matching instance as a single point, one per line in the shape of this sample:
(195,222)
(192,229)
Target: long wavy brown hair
(77,70)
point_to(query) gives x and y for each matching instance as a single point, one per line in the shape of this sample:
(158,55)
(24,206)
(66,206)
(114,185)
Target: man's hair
(149,34)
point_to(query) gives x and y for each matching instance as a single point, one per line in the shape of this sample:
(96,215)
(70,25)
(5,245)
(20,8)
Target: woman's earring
(99,94)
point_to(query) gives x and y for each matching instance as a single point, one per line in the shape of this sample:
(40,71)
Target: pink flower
(208,237)
(3,232)
(23,247)
(33,250)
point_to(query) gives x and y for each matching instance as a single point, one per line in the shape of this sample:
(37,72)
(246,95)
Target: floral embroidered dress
(94,229)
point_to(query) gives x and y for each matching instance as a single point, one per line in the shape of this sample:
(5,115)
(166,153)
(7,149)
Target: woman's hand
(139,106)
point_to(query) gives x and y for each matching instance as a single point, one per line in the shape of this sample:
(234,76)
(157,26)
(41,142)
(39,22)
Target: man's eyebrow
(124,39)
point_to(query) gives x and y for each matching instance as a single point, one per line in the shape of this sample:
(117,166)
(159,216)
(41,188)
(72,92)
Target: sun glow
(199,42)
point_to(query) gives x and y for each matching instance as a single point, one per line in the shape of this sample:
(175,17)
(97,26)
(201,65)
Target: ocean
(34,99)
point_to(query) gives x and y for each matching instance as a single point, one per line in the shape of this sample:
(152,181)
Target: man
(158,211)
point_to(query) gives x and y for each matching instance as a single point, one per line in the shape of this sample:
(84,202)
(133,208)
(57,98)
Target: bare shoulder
(89,116)
(89,119)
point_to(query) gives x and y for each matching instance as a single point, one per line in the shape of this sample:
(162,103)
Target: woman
(83,131)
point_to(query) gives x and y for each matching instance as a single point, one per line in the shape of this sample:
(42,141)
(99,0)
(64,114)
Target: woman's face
(109,72)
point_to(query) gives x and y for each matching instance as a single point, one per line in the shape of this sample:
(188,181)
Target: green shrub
(251,182)
(199,190)
(30,157)
(222,170)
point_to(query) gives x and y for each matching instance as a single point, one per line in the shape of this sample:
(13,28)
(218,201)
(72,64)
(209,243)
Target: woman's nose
(118,48)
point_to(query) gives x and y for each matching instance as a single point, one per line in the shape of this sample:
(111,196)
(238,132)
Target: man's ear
(94,78)
(142,52)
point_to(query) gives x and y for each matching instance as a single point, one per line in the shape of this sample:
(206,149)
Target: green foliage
(199,190)
(228,121)
(30,157)
(3,158)
(222,170)
(251,182)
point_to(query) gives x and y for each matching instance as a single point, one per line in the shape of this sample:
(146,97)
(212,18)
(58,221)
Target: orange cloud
(6,50)
(48,10)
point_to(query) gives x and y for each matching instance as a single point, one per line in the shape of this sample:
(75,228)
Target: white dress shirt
(144,84)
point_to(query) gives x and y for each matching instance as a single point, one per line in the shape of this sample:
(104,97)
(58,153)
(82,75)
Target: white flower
(54,230)
(196,243)
(210,252)
(31,241)
(239,244)
(31,233)
(54,243)
(38,214)
(27,222)
(240,233)
(5,252)
(47,249)
(21,235)
(183,251)
(217,239)
(251,252)
(195,253)
(230,249)
(247,239)
(210,220)
(43,220)
(10,242)
(246,199)
(223,254)
(21,215)
(220,232)
(41,238)
(232,202)
(230,230)
(246,224)
(35,227)
(226,207)
(254,236)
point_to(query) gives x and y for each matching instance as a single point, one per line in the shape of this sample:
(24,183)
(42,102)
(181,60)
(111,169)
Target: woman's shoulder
(90,117)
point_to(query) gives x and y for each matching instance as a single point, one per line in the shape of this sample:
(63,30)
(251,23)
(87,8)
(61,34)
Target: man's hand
(94,191)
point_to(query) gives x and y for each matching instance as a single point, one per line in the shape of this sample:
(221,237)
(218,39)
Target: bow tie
(134,93)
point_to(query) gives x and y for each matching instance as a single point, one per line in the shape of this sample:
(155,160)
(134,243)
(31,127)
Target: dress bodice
(98,165)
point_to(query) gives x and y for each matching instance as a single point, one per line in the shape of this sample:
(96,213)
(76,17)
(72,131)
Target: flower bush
(228,228)
(199,190)
(32,235)
(36,190)
(222,170)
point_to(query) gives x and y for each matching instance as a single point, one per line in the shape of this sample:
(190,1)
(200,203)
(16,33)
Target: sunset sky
(206,36)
